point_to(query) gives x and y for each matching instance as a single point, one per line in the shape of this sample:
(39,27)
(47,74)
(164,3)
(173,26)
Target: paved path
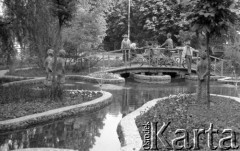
(3,72)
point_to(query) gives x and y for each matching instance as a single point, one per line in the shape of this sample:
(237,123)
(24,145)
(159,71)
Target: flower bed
(184,112)
(26,100)
(152,79)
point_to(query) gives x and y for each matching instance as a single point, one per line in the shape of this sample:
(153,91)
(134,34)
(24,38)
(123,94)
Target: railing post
(125,56)
(103,59)
(108,60)
(180,57)
(215,63)
(149,55)
(89,66)
(129,57)
(221,67)
(197,58)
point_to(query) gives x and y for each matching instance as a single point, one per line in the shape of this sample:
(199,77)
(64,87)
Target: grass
(184,112)
(18,101)
(39,72)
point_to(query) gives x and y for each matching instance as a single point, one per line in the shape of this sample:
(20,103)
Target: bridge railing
(113,59)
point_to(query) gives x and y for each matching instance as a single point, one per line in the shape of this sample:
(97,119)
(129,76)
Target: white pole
(129,5)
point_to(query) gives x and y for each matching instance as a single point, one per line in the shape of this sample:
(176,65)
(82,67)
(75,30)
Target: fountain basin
(156,79)
(195,77)
(229,80)
(96,79)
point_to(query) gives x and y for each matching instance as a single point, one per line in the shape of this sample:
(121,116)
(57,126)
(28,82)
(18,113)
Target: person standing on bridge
(169,44)
(133,47)
(188,54)
(125,47)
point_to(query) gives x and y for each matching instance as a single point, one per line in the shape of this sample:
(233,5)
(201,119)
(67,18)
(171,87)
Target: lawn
(40,72)
(184,112)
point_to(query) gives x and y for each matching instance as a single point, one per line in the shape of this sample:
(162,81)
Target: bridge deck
(144,68)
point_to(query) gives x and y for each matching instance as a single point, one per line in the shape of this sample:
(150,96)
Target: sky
(1,10)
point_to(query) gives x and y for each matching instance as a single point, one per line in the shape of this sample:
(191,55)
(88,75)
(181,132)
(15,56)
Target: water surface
(97,131)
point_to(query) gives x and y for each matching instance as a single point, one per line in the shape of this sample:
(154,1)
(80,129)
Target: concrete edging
(195,77)
(127,128)
(28,81)
(95,80)
(228,80)
(56,113)
(44,149)
(130,138)
(152,79)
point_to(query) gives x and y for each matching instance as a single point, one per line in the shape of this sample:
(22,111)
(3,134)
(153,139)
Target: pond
(97,131)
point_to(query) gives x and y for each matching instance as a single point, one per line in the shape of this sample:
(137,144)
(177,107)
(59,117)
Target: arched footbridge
(112,61)
(143,69)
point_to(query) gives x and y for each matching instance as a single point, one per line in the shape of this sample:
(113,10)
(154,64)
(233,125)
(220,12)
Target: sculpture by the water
(202,71)
(60,67)
(48,64)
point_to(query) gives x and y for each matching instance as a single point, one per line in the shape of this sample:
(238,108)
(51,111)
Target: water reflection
(97,131)
(75,133)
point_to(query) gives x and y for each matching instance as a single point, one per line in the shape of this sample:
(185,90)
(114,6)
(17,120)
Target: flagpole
(129,5)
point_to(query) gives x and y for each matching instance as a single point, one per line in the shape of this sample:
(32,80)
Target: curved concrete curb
(95,80)
(228,80)
(56,113)
(14,78)
(152,79)
(229,97)
(195,77)
(127,129)
(28,81)
(44,149)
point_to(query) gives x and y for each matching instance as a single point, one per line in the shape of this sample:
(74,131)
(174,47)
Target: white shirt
(133,46)
(125,44)
(187,51)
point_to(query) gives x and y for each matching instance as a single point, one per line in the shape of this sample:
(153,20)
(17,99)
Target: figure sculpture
(60,68)
(202,71)
(48,64)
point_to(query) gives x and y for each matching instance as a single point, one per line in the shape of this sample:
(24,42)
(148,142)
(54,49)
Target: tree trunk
(10,63)
(209,69)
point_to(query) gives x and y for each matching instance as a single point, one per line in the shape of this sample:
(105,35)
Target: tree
(32,25)
(90,25)
(6,42)
(63,11)
(150,20)
(211,18)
